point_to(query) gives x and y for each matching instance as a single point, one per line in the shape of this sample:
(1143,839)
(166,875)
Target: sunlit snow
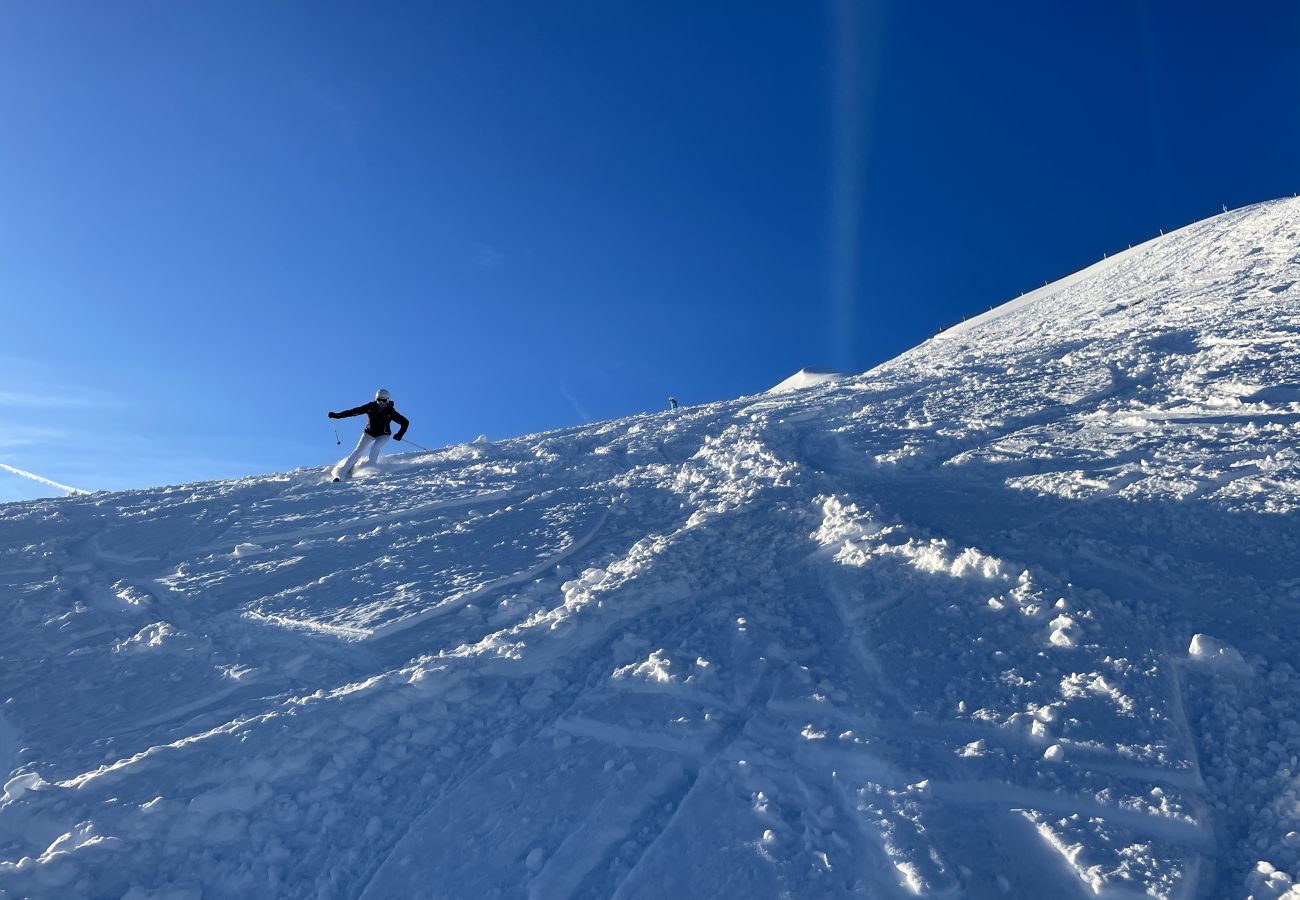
(1012,615)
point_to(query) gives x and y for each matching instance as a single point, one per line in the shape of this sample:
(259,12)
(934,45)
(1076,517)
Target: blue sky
(219,221)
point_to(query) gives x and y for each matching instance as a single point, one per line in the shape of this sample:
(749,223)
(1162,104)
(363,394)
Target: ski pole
(417,446)
(336,433)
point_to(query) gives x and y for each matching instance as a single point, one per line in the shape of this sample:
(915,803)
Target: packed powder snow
(1012,615)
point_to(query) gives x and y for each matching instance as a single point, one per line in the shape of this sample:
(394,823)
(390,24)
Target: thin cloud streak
(42,400)
(14,436)
(42,479)
(576,405)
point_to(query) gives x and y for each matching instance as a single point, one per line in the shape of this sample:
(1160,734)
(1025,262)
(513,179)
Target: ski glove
(398,436)
(334,415)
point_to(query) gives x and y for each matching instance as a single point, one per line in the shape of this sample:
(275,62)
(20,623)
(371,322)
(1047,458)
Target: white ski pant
(375,444)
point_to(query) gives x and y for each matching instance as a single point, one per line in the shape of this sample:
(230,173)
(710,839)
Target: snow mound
(1210,651)
(18,785)
(921,631)
(805,378)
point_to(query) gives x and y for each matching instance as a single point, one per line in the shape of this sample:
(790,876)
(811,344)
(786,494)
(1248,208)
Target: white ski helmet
(382,394)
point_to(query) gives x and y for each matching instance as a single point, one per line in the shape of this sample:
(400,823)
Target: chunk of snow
(1212,651)
(155,636)
(655,669)
(1063,629)
(20,784)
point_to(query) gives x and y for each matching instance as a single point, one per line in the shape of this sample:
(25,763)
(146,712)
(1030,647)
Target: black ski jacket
(379,415)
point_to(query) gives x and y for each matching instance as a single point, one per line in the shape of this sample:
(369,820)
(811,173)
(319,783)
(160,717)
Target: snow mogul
(380,414)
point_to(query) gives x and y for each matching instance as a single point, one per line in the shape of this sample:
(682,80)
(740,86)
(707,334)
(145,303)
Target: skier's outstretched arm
(400,420)
(349,413)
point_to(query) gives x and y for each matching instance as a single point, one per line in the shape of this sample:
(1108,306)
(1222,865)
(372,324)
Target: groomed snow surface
(1013,615)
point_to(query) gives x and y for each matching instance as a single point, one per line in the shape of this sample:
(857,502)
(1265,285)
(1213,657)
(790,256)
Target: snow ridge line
(1100,267)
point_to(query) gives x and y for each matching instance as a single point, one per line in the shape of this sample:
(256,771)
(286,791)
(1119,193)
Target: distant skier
(380,413)
(672,402)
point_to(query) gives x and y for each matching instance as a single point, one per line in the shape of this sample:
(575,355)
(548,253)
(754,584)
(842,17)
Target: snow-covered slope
(1011,615)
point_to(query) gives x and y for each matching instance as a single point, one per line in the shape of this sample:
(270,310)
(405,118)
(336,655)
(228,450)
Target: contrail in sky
(42,479)
(576,405)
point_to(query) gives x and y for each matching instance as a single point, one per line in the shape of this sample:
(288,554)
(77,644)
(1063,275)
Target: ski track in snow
(924,631)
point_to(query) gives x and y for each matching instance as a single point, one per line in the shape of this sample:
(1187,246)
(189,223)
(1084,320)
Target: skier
(672,402)
(380,412)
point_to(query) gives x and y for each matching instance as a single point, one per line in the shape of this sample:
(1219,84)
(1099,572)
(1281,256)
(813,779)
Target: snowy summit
(1012,615)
